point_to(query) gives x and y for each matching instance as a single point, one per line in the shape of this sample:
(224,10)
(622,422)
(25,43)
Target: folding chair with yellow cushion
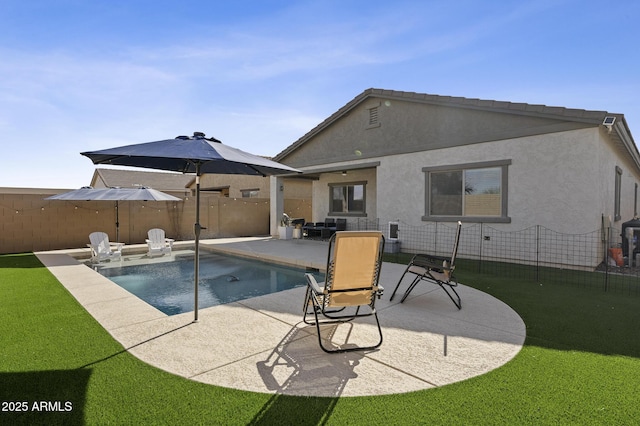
(351,283)
(436,270)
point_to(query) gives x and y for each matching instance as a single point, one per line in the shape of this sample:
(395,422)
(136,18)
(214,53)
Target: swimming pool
(168,286)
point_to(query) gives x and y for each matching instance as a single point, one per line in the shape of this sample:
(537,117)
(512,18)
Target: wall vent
(373,116)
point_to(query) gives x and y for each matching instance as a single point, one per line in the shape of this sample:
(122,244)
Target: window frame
(362,213)
(504,215)
(250,193)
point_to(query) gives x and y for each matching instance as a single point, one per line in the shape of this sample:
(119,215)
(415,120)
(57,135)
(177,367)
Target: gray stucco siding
(561,162)
(407,127)
(551,180)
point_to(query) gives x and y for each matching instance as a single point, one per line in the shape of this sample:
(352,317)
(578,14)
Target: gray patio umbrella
(191,154)
(87,193)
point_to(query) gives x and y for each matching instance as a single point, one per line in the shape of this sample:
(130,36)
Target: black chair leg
(458,303)
(398,285)
(355,348)
(410,288)
(451,291)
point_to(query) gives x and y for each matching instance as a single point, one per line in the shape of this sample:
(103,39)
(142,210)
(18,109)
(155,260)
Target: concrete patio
(262,345)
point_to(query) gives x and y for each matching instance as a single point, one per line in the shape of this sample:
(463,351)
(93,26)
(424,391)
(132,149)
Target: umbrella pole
(196,260)
(117,223)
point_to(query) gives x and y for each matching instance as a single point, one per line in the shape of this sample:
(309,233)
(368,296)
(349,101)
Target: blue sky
(258,74)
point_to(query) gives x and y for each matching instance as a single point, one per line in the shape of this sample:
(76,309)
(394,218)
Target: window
(347,198)
(616,207)
(249,193)
(223,191)
(467,191)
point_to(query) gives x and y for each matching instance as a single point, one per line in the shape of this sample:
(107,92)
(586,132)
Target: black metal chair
(436,270)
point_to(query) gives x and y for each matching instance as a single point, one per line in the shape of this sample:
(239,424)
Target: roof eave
(621,130)
(569,114)
(324,124)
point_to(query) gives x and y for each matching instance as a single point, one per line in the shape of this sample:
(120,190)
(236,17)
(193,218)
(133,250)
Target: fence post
(481,245)
(537,253)
(607,243)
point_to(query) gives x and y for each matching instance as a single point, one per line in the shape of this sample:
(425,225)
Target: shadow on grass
(277,411)
(20,261)
(115,354)
(51,397)
(44,397)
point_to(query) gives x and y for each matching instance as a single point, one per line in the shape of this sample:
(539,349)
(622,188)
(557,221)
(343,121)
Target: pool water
(168,286)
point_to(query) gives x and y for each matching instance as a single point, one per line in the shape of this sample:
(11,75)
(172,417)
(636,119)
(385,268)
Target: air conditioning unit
(393,231)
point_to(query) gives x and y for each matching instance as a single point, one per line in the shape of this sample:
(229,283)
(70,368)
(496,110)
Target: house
(173,183)
(295,196)
(179,184)
(249,186)
(418,158)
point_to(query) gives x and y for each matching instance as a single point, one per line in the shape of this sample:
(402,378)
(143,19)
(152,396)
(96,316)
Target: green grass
(579,365)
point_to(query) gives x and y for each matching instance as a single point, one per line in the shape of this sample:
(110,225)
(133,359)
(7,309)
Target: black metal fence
(536,254)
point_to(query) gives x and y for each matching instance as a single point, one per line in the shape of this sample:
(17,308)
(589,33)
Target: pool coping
(261,344)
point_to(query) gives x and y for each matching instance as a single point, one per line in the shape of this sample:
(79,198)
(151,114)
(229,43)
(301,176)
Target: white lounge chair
(157,242)
(102,249)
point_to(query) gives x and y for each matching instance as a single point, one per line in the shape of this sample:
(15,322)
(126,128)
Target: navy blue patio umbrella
(191,154)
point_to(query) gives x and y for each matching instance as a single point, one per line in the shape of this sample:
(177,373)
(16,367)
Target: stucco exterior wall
(561,164)
(409,127)
(321,192)
(236,184)
(564,181)
(611,157)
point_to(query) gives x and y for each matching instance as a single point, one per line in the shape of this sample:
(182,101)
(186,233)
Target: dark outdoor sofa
(324,229)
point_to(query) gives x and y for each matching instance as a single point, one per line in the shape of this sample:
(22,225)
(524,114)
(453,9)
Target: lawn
(579,365)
